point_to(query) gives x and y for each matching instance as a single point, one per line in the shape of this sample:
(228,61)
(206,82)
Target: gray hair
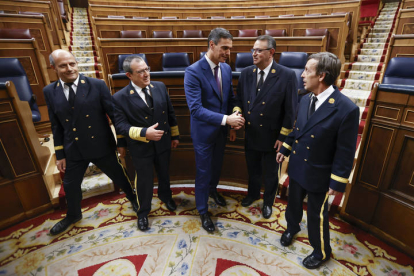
(128,60)
(217,34)
(51,59)
(271,43)
(329,64)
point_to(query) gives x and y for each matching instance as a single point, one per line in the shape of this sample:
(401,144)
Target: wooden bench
(405,22)
(38,30)
(294,26)
(401,46)
(202,3)
(23,161)
(46,8)
(110,48)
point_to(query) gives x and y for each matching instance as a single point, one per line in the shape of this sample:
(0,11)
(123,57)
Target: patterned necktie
(71,98)
(312,106)
(260,83)
(216,76)
(148,98)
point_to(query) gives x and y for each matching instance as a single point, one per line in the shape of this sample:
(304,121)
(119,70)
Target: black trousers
(109,164)
(262,163)
(144,179)
(318,219)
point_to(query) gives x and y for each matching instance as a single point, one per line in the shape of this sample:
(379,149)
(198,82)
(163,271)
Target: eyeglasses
(146,70)
(259,50)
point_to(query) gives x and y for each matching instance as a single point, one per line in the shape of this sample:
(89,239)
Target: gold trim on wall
(406,115)
(386,107)
(11,108)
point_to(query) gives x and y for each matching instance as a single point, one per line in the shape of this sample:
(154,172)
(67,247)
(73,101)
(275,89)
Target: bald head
(65,65)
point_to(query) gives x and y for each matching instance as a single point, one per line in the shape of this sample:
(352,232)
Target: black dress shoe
(287,238)
(310,262)
(63,225)
(218,199)
(207,223)
(267,211)
(143,223)
(171,205)
(248,200)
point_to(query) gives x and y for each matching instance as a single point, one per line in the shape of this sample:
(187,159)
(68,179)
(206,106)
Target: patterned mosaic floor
(106,242)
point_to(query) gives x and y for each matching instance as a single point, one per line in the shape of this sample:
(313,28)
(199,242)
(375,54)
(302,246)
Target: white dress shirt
(323,96)
(266,73)
(140,92)
(66,88)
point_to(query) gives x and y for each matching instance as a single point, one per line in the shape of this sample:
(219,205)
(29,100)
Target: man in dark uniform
(323,147)
(77,107)
(267,93)
(145,116)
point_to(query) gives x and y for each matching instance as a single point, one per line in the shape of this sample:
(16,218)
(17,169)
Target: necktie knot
(69,84)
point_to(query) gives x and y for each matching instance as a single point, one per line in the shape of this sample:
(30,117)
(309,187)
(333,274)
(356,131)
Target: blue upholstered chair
(121,59)
(202,54)
(297,62)
(12,70)
(242,61)
(175,61)
(400,71)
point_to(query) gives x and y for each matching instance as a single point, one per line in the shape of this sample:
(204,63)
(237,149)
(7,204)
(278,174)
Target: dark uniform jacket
(82,133)
(133,117)
(271,114)
(322,149)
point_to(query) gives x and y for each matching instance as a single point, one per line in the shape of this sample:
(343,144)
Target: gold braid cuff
(339,179)
(236,108)
(285,131)
(287,146)
(135,134)
(175,131)
(59,148)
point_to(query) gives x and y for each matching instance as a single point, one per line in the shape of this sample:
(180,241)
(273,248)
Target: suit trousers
(262,163)
(109,164)
(209,161)
(144,179)
(318,218)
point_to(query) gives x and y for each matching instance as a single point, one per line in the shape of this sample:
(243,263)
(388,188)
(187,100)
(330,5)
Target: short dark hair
(128,60)
(329,64)
(271,43)
(217,34)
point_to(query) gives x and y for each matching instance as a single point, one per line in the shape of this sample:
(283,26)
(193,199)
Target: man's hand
(122,152)
(280,157)
(233,135)
(278,145)
(333,192)
(174,143)
(154,134)
(235,120)
(61,165)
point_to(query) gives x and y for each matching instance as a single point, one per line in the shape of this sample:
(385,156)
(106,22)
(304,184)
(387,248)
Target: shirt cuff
(223,122)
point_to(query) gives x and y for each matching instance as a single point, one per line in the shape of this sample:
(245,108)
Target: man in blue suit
(209,92)
(78,107)
(267,94)
(145,116)
(321,148)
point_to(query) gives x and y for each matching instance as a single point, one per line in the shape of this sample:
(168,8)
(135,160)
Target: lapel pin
(331,100)
(58,84)
(131,92)
(254,70)
(82,81)
(273,71)
(152,86)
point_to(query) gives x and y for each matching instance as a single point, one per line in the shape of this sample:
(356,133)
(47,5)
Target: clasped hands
(236,121)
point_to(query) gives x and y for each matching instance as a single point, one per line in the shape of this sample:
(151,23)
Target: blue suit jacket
(82,133)
(204,100)
(132,111)
(269,115)
(322,149)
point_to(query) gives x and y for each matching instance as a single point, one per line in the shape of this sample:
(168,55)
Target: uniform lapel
(251,86)
(156,96)
(325,110)
(59,97)
(209,76)
(137,100)
(81,93)
(271,78)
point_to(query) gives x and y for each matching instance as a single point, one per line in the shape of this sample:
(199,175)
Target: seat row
(179,61)
(217,17)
